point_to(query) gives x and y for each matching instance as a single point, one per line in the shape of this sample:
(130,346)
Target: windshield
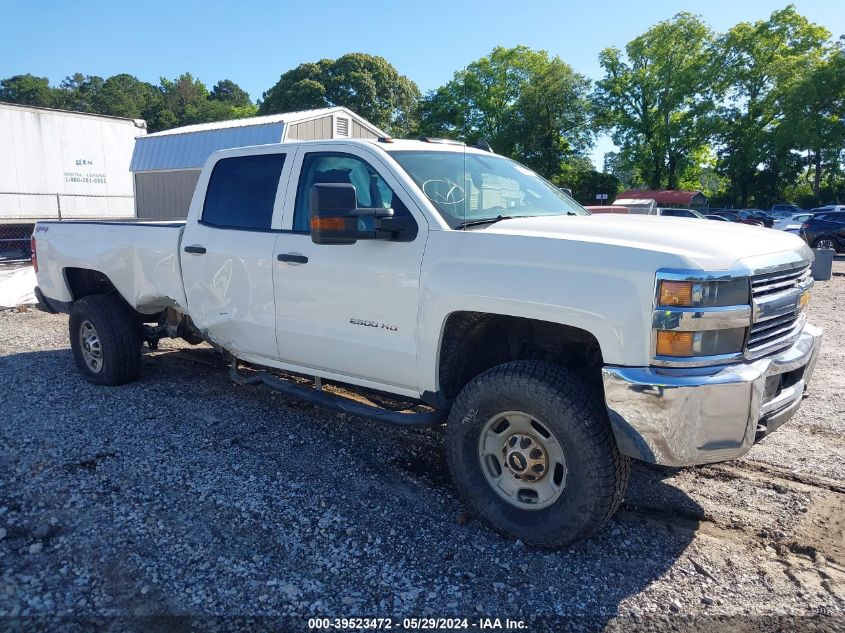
(468,187)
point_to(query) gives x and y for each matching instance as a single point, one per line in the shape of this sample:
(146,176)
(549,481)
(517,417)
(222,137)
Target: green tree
(125,95)
(656,97)
(581,177)
(302,88)
(760,62)
(27,90)
(210,110)
(183,96)
(526,104)
(814,119)
(227,91)
(367,84)
(78,92)
(616,165)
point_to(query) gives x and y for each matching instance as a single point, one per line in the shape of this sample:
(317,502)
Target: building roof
(665,196)
(269,119)
(188,147)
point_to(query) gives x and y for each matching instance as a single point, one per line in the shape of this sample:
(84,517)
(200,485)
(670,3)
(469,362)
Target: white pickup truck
(459,287)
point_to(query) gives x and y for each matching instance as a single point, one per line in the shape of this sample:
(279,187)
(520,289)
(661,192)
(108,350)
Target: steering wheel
(443,191)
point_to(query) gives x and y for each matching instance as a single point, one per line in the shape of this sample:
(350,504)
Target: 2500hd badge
(384,326)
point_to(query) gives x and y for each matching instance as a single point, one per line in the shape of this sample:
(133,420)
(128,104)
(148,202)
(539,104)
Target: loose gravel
(185,502)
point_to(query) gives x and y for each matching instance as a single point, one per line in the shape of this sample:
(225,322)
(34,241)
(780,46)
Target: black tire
(192,339)
(119,338)
(597,474)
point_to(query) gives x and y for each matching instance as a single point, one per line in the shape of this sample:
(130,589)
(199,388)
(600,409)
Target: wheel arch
(472,342)
(85,282)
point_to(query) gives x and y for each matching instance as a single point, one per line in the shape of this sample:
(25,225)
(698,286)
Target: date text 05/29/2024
(363,623)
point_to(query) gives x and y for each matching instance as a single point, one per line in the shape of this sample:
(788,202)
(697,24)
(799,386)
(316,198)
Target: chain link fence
(20,211)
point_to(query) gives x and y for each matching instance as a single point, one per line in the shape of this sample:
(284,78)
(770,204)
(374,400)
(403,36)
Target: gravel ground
(184,502)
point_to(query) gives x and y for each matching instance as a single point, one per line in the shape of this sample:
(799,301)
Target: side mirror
(336,218)
(330,206)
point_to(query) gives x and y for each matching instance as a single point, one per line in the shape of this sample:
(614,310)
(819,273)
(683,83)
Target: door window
(241,192)
(678,213)
(330,167)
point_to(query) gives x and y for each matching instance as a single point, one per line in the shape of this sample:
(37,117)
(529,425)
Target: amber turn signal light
(675,293)
(328,224)
(674,343)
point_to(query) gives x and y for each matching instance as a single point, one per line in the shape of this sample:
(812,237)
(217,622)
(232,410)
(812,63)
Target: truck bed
(141,259)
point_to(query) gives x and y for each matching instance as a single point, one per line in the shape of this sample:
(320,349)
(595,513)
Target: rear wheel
(531,451)
(824,242)
(105,340)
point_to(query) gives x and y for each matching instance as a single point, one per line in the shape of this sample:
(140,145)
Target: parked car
(792,223)
(554,344)
(825,230)
(757,214)
(784,210)
(736,216)
(712,216)
(828,207)
(661,211)
(679,213)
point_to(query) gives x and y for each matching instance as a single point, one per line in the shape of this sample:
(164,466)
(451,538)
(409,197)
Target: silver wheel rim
(92,349)
(824,244)
(522,460)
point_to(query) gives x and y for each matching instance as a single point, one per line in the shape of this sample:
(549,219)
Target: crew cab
(554,344)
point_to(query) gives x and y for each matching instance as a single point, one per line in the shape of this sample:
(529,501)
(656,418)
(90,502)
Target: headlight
(707,343)
(692,294)
(699,321)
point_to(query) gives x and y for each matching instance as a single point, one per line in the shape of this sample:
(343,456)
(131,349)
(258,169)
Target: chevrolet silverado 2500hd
(556,345)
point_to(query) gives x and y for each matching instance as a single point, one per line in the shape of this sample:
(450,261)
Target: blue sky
(254,42)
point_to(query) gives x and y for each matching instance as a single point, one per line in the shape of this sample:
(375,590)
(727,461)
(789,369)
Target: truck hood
(709,244)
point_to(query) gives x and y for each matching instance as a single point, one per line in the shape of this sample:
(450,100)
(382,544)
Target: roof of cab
(432,145)
(385,143)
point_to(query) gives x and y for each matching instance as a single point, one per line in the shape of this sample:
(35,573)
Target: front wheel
(531,451)
(105,340)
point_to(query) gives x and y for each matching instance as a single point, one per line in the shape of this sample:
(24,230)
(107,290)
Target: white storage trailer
(59,164)
(56,164)
(166,165)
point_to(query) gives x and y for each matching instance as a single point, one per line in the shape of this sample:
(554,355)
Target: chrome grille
(771,283)
(771,333)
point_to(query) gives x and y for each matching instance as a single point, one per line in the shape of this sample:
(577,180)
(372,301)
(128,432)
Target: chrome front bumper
(683,417)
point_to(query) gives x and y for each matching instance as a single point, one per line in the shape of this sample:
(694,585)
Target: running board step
(338,403)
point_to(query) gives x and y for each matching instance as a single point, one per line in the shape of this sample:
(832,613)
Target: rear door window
(241,192)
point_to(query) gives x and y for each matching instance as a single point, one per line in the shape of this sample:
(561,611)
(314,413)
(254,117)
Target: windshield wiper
(498,218)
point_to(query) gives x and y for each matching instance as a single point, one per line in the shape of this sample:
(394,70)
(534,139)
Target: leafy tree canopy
(762,63)
(27,90)
(525,103)
(366,84)
(655,97)
(227,91)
